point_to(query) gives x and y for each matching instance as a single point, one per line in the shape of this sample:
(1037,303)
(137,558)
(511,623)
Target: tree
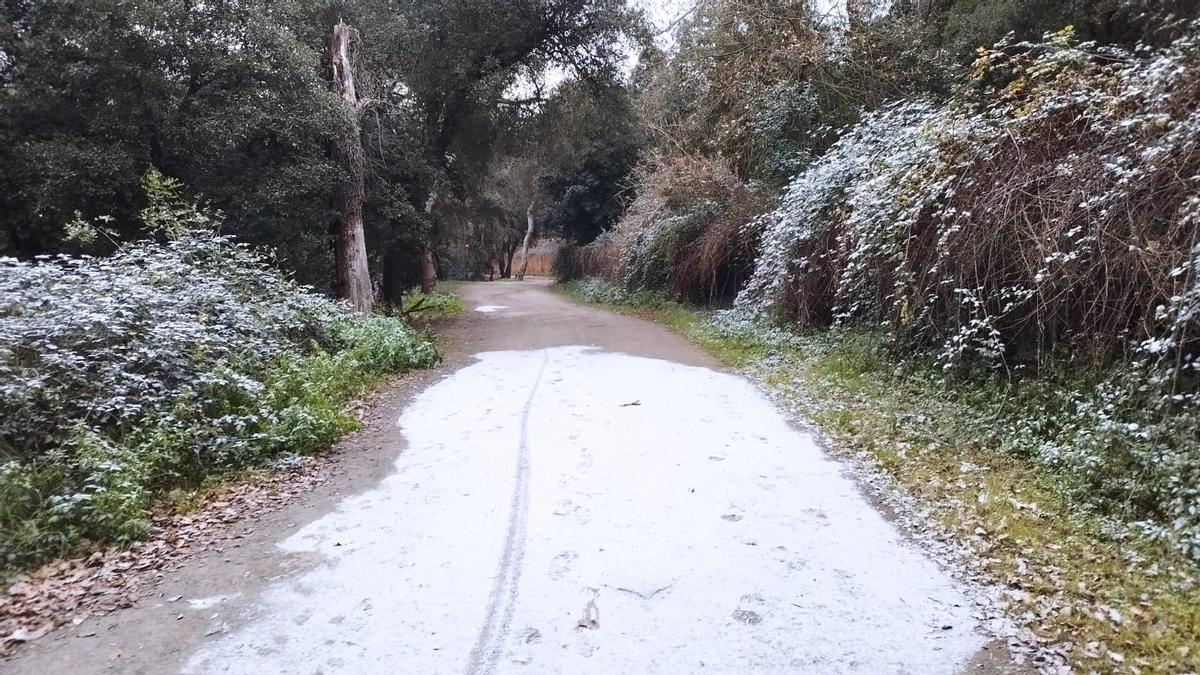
(353,280)
(511,196)
(230,97)
(525,243)
(590,136)
(234,99)
(965,25)
(459,61)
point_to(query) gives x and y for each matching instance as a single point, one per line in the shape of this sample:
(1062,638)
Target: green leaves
(168,213)
(227,97)
(125,376)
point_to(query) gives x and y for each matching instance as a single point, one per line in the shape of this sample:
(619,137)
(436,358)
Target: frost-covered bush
(1049,208)
(845,219)
(160,364)
(1047,215)
(683,234)
(109,341)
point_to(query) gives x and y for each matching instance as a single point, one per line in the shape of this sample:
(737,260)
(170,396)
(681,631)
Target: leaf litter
(70,590)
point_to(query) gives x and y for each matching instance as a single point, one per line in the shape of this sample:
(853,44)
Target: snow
(489,309)
(211,601)
(571,510)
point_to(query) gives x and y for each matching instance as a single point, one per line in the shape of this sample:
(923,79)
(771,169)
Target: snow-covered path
(575,491)
(572,510)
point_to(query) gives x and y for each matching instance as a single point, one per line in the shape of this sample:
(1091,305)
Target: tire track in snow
(503,598)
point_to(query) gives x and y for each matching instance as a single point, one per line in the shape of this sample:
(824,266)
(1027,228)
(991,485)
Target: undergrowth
(173,360)
(1114,597)
(430,307)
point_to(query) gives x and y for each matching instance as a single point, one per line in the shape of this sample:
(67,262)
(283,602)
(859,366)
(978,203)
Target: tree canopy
(234,99)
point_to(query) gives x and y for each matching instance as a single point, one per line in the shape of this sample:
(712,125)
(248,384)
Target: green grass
(1118,601)
(437,306)
(690,322)
(98,488)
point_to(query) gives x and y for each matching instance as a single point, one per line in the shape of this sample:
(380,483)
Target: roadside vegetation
(432,307)
(178,357)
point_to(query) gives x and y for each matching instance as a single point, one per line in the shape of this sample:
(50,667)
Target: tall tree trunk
(352,278)
(392,291)
(525,244)
(428,262)
(428,270)
(506,260)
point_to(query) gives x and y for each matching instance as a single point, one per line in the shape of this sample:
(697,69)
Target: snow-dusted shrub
(108,341)
(1046,208)
(157,365)
(842,224)
(1048,214)
(684,233)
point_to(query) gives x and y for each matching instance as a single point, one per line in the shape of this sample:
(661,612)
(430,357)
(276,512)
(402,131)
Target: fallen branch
(418,306)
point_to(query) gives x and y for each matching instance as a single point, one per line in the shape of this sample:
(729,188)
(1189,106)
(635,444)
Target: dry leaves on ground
(68,591)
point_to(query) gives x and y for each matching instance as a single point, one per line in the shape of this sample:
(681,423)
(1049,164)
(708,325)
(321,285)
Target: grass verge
(98,486)
(1105,597)
(432,307)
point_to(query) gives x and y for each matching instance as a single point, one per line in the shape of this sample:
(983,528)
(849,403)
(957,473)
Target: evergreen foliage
(163,363)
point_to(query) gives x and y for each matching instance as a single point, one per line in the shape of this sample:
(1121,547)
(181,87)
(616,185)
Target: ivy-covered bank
(1105,593)
(175,359)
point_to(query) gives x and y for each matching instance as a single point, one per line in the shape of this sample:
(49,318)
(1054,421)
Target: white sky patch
(490,309)
(663,16)
(575,511)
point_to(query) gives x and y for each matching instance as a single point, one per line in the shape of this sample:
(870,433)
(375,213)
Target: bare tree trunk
(352,278)
(506,260)
(428,270)
(525,244)
(428,262)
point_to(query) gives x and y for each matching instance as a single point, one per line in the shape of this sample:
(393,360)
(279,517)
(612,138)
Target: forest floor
(574,490)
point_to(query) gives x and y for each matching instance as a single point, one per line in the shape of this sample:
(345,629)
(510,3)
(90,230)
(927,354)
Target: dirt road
(576,491)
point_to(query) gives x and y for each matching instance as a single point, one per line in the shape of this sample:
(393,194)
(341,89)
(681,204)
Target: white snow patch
(694,530)
(211,601)
(488,309)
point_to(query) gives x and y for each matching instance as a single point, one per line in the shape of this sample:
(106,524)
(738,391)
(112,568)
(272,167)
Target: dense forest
(235,100)
(215,218)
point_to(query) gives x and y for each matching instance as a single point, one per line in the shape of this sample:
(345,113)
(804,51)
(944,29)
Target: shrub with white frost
(106,342)
(126,375)
(1047,215)
(1049,209)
